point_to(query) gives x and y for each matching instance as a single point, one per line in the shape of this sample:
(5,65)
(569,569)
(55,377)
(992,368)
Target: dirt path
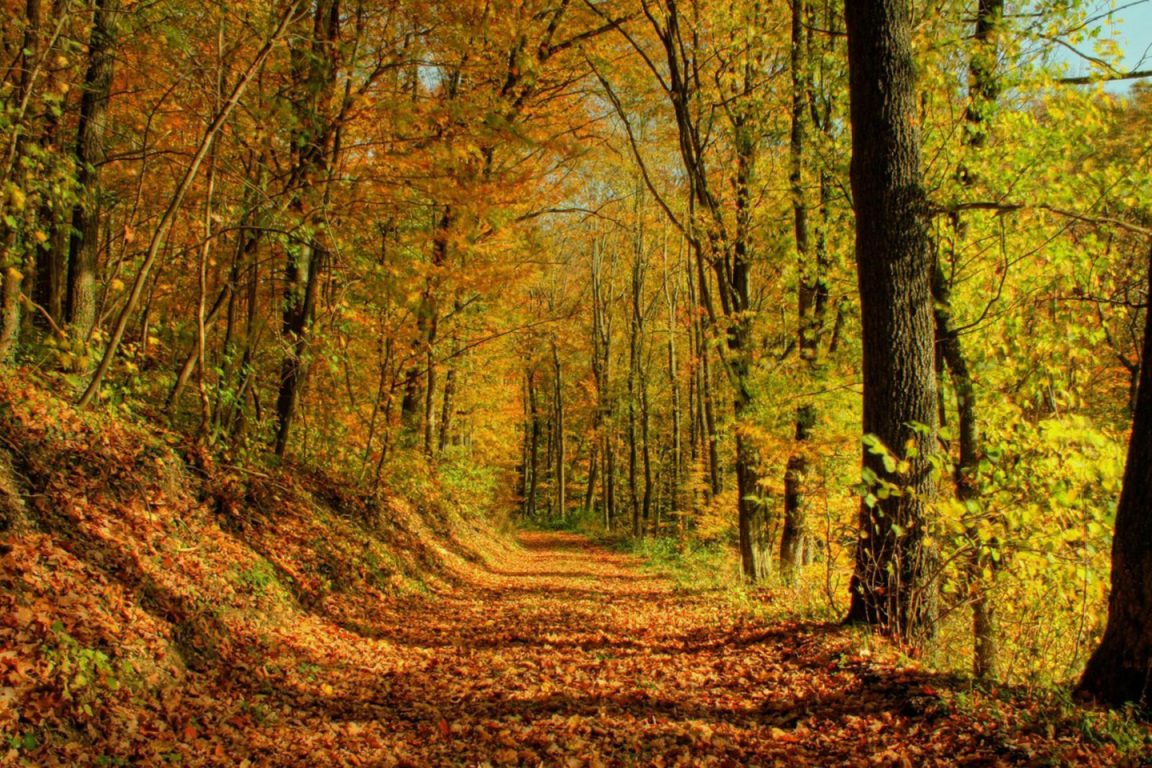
(570,655)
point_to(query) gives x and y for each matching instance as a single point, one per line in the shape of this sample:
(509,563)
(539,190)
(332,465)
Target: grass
(693,566)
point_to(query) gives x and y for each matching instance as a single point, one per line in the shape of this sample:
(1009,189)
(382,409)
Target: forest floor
(569,654)
(159,610)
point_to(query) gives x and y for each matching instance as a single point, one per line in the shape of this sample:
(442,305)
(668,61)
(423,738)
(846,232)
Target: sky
(1133,27)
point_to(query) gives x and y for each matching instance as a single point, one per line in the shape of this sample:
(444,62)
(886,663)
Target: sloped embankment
(154,614)
(147,597)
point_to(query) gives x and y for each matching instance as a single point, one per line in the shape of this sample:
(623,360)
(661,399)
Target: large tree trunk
(755,516)
(755,536)
(90,152)
(314,64)
(1120,669)
(812,300)
(891,583)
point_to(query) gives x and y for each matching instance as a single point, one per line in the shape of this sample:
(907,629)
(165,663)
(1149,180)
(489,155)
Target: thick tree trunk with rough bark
(314,64)
(90,151)
(892,584)
(1120,669)
(755,515)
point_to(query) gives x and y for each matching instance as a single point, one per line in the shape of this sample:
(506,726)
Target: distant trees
(719,221)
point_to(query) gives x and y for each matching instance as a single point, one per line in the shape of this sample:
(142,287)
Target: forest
(574,382)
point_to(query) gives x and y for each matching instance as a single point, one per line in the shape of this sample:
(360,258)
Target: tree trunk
(90,152)
(447,403)
(601,359)
(430,369)
(755,515)
(675,481)
(609,483)
(314,69)
(635,342)
(891,583)
(755,536)
(54,217)
(561,452)
(589,507)
(18,259)
(646,455)
(795,538)
(533,465)
(984,88)
(708,414)
(1120,669)
(811,300)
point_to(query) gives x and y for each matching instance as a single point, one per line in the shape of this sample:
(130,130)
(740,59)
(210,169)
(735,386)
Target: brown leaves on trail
(566,655)
(141,626)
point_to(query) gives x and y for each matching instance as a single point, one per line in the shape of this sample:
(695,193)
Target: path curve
(572,655)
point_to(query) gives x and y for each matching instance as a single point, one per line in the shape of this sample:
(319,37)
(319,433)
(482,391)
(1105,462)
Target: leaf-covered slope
(167,611)
(153,591)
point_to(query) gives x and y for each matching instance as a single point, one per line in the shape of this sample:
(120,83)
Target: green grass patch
(694,566)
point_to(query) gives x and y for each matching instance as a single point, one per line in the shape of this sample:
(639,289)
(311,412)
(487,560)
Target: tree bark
(314,69)
(635,341)
(601,359)
(55,217)
(755,516)
(983,90)
(18,260)
(532,469)
(561,449)
(1120,669)
(795,538)
(90,153)
(675,480)
(892,585)
(812,297)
